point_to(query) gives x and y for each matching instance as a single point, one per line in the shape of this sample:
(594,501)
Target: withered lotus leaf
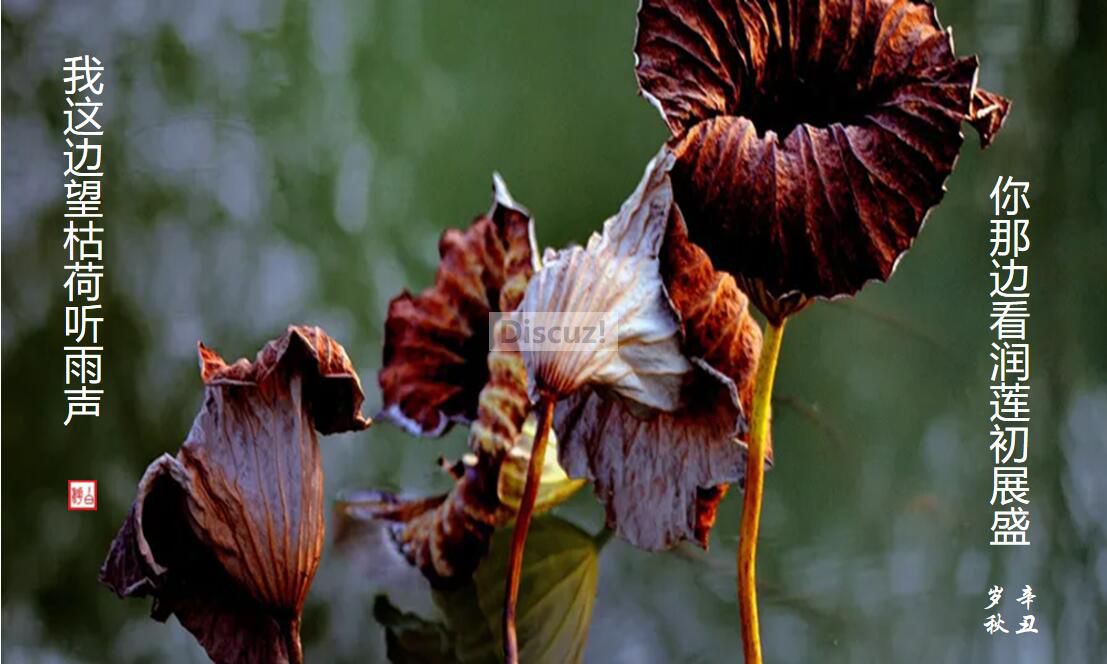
(660,473)
(714,313)
(811,138)
(227,534)
(615,277)
(718,328)
(503,404)
(649,471)
(436,343)
(446,536)
(449,542)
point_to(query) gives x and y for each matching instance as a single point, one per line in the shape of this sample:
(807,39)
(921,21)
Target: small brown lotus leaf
(989,112)
(503,404)
(660,471)
(227,535)
(718,328)
(446,536)
(715,317)
(448,542)
(436,343)
(811,138)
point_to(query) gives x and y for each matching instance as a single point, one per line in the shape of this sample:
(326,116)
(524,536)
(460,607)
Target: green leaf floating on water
(560,573)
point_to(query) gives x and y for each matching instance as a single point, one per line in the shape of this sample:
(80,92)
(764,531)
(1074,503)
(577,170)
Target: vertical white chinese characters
(1010,354)
(995,623)
(82,244)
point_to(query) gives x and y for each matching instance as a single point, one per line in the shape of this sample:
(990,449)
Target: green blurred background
(269,163)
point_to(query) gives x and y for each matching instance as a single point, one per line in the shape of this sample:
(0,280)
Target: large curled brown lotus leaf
(661,474)
(436,343)
(227,534)
(812,138)
(447,536)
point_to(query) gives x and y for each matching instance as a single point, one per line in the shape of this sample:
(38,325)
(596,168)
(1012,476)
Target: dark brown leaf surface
(714,313)
(227,535)
(156,554)
(503,405)
(989,112)
(718,328)
(436,343)
(447,536)
(811,138)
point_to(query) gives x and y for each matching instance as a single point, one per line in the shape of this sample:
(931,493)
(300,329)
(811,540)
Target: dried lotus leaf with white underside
(616,277)
(660,466)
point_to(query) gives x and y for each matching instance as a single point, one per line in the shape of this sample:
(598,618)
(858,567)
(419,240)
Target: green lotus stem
(760,423)
(545,410)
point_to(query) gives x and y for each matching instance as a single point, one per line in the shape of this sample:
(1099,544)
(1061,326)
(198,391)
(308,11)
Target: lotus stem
(545,410)
(291,633)
(760,423)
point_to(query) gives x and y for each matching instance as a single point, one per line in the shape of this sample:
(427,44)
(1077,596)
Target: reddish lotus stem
(522,525)
(291,629)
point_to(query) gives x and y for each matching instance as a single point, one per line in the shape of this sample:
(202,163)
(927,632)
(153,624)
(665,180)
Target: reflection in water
(559,581)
